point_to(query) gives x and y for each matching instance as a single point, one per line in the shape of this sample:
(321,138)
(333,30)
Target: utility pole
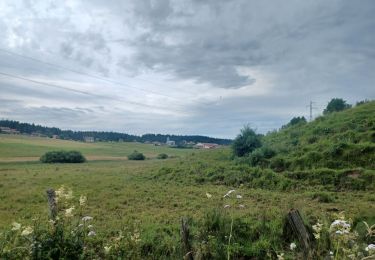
(311,107)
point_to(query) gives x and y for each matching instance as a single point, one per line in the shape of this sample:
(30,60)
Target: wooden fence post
(52,204)
(296,227)
(185,239)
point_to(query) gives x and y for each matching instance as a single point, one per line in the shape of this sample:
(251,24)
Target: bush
(246,142)
(162,156)
(63,157)
(336,105)
(136,156)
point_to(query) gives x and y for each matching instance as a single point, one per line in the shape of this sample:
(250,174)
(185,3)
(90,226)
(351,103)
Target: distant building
(157,143)
(55,137)
(7,130)
(170,142)
(89,139)
(206,145)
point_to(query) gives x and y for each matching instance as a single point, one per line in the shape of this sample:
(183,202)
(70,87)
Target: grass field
(155,194)
(127,189)
(23,148)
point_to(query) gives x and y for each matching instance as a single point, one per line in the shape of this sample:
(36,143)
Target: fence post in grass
(185,239)
(296,228)
(52,204)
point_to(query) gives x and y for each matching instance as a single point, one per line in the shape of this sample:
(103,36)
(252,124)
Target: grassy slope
(26,146)
(339,140)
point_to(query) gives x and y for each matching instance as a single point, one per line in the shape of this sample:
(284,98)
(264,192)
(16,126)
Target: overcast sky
(182,67)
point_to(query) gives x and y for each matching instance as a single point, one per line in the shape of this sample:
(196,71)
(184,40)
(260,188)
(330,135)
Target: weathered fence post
(52,204)
(296,228)
(185,239)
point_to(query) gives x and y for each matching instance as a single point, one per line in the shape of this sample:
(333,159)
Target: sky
(182,67)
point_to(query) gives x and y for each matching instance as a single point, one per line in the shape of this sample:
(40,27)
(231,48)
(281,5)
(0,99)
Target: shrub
(246,142)
(336,105)
(162,156)
(136,156)
(62,157)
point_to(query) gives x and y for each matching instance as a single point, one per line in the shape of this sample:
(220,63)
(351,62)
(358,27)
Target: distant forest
(26,128)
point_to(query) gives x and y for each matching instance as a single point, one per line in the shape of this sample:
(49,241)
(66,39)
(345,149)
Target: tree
(295,121)
(336,105)
(246,142)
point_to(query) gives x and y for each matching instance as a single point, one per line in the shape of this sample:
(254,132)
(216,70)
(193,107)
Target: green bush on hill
(246,142)
(136,156)
(63,157)
(336,105)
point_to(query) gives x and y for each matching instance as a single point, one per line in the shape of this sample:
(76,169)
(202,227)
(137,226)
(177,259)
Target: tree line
(26,128)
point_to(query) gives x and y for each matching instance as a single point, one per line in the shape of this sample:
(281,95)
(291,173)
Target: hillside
(339,140)
(333,152)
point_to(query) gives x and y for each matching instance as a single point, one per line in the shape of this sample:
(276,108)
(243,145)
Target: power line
(80,91)
(86,74)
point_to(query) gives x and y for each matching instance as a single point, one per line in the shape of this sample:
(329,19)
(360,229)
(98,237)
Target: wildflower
(107,249)
(82,200)
(16,226)
(293,246)
(239,196)
(330,252)
(208,195)
(91,233)
(226,206)
(90,226)
(317,229)
(241,206)
(27,231)
(135,237)
(280,256)
(80,225)
(339,223)
(86,218)
(69,212)
(228,193)
(370,248)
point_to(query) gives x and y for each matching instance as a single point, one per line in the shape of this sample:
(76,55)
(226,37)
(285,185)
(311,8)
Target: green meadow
(325,169)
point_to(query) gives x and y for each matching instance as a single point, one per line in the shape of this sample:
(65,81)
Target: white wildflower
(226,206)
(80,225)
(27,231)
(69,212)
(91,233)
(317,229)
(16,226)
(82,200)
(241,206)
(87,218)
(208,195)
(135,237)
(107,249)
(239,196)
(293,246)
(280,256)
(339,223)
(90,226)
(370,248)
(228,193)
